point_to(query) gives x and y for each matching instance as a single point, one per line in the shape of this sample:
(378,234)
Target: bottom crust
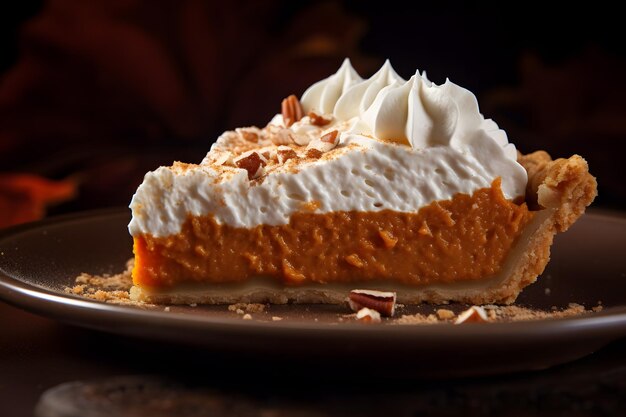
(559,189)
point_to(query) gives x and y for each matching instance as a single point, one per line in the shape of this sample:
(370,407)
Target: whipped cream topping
(416,112)
(323,95)
(401,146)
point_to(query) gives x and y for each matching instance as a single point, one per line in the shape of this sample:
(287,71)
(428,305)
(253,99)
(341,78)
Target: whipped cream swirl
(418,113)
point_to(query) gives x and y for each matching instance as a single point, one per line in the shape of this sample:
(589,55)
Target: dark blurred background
(95,93)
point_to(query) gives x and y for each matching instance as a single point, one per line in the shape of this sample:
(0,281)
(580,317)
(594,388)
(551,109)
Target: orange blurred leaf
(24,197)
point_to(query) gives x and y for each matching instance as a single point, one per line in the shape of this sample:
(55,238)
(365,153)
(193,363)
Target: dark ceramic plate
(588,265)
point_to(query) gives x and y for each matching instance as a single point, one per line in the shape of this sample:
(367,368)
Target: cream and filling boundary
(403,145)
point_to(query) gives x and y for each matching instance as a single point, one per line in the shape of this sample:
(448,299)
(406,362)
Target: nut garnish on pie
(383,302)
(382,183)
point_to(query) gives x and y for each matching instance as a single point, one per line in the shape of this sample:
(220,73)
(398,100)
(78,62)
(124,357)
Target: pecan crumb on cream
(318,120)
(330,137)
(253,162)
(249,135)
(324,143)
(313,153)
(284,153)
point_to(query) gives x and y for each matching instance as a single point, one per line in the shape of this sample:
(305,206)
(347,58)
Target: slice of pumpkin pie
(378,183)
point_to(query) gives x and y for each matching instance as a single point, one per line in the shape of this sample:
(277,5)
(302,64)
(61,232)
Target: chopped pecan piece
(313,153)
(474,314)
(382,301)
(318,120)
(291,110)
(367,315)
(285,153)
(325,143)
(250,136)
(253,163)
(330,137)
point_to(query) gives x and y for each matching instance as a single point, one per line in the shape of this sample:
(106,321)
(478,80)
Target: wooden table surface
(37,353)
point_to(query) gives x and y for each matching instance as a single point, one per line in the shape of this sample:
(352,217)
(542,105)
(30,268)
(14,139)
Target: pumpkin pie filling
(463,239)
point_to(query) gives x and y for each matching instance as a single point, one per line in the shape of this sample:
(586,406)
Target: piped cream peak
(416,112)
